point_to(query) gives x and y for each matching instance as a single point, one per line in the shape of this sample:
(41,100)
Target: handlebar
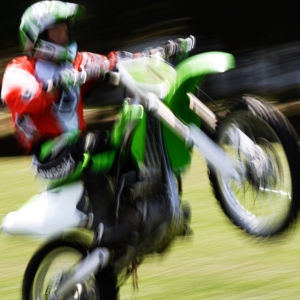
(176,47)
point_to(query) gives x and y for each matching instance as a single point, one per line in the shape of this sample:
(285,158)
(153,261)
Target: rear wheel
(265,200)
(53,262)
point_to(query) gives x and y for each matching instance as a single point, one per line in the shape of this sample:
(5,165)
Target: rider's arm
(170,48)
(87,71)
(95,65)
(21,91)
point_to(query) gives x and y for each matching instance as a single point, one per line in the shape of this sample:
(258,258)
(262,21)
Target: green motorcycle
(252,156)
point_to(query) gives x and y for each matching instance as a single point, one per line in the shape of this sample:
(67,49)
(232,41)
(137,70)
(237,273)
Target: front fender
(204,64)
(190,73)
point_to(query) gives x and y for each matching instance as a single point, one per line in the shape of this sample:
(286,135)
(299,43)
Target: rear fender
(48,213)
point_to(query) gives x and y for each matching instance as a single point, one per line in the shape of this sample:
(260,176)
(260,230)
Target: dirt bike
(251,152)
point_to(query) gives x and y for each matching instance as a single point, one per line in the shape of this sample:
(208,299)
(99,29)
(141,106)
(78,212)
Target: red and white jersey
(38,115)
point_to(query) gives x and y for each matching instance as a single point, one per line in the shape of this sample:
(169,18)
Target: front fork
(194,136)
(98,259)
(256,158)
(227,166)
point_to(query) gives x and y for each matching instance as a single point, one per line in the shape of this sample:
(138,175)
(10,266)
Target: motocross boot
(187,213)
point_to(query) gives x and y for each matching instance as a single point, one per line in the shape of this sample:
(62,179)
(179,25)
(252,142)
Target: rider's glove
(65,79)
(182,47)
(171,48)
(179,47)
(70,77)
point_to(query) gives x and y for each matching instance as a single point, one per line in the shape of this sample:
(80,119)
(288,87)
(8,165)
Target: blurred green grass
(218,262)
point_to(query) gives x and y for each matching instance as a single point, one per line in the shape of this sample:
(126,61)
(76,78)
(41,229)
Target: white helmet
(38,18)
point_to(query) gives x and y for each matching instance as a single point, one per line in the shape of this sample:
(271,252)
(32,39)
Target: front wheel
(52,263)
(265,200)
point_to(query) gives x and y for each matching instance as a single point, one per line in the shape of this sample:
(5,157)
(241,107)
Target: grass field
(218,262)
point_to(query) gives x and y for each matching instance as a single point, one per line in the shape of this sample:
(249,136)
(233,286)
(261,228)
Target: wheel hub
(261,169)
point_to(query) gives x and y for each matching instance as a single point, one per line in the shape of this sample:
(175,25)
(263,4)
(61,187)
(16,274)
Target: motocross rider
(45,88)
